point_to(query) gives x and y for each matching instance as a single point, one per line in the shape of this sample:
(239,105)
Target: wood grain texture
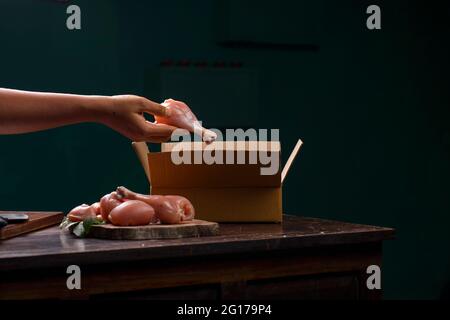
(302,258)
(53,248)
(247,276)
(196,228)
(37,221)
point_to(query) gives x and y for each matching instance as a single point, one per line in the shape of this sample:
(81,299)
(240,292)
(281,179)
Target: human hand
(125,114)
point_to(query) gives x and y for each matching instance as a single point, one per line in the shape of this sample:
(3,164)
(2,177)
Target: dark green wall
(371,106)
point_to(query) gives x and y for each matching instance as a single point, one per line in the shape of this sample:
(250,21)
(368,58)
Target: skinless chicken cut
(82,213)
(108,203)
(132,213)
(182,117)
(169,209)
(124,207)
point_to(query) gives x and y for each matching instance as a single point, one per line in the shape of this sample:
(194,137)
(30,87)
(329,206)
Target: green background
(371,106)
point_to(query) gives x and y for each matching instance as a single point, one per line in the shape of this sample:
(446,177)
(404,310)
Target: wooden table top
(53,248)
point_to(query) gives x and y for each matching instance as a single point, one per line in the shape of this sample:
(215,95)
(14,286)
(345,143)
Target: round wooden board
(195,228)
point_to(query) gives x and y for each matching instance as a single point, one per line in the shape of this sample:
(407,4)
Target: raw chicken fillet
(182,117)
(124,207)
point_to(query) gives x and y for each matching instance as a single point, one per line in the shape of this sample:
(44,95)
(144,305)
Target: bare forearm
(23,111)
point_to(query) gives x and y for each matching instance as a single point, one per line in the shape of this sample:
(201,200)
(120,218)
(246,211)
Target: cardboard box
(221,192)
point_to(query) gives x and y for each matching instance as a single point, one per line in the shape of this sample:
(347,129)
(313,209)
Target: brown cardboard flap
(165,173)
(142,150)
(291,159)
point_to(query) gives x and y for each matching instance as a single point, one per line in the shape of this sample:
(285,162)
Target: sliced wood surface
(196,228)
(53,248)
(37,221)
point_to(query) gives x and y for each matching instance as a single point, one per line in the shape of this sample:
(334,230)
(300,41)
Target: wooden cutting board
(196,228)
(37,221)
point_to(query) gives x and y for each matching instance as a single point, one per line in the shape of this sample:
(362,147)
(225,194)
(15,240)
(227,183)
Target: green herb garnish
(80,229)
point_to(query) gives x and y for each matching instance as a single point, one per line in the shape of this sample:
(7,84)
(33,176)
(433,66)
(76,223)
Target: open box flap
(291,159)
(167,174)
(141,149)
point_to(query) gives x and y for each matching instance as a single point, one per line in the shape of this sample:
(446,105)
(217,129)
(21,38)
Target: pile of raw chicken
(126,208)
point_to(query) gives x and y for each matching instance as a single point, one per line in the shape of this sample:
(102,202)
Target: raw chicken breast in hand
(181,116)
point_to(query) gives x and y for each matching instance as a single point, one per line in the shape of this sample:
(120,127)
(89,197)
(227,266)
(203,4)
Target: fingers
(155,109)
(153,132)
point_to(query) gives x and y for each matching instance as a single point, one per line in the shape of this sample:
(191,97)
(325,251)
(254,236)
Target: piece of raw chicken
(82,213)
(132,213)
(168,209)
(124,207)
(181,116)
(108,203)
